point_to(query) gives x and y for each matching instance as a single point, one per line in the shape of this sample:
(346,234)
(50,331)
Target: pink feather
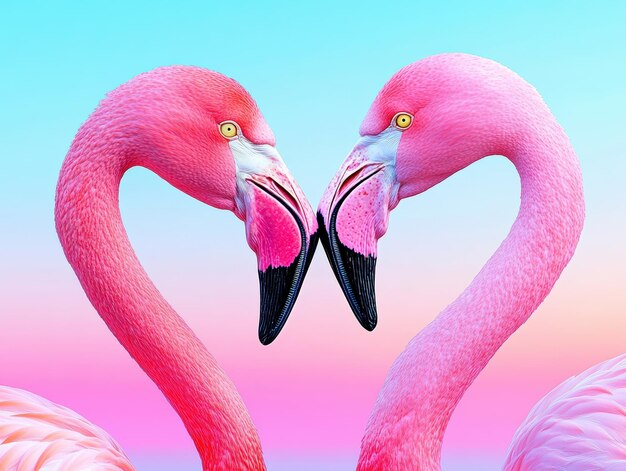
(580,425)
(36,434)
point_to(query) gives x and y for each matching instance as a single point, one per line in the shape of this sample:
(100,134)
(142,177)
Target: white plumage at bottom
(579,426)
(38,435)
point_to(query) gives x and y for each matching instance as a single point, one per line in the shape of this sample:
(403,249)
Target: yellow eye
(403,120)
(229,129)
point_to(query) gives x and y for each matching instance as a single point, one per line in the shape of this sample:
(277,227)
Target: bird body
(580,425)
(36,434)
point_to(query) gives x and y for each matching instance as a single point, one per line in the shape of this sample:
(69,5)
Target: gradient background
(314,70)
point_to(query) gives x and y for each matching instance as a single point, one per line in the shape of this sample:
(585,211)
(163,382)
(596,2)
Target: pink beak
(352,216)
(282,230)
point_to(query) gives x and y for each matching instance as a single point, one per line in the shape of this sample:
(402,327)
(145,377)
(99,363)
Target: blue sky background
(314,69)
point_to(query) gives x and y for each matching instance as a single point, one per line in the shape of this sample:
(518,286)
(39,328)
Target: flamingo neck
(427,380)
(93,237)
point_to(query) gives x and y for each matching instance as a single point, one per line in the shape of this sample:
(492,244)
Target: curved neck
(429,378)
(90,228)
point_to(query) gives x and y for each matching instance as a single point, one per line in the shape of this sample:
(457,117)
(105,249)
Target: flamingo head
(432,119)
(208,138)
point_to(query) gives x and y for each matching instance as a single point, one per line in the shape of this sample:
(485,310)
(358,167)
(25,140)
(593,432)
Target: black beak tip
(280,287)
(355,273)
(369,322)
(268,337)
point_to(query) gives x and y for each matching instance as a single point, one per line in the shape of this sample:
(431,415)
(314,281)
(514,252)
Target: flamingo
(203,133)
(432,119)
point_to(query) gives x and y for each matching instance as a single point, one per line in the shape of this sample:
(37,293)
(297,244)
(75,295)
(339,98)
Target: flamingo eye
(402,120)
(229,129)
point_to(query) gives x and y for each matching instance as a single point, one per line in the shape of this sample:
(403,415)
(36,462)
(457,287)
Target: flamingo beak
(353,215)
(280,228)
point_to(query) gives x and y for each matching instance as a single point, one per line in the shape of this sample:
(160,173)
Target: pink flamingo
(203,133)
(432,119)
